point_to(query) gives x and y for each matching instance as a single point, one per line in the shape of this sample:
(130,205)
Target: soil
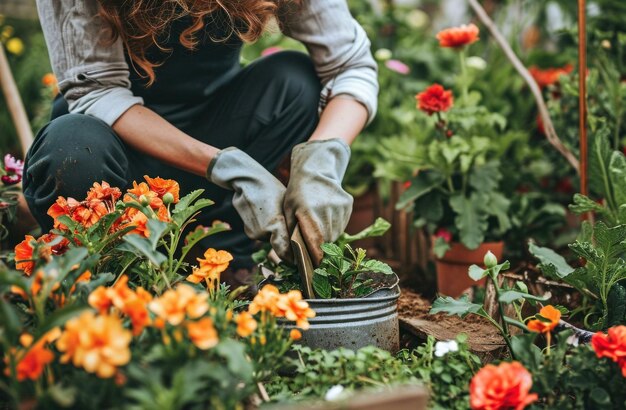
(415,321)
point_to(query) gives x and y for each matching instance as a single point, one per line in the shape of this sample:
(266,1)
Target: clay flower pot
(452,277)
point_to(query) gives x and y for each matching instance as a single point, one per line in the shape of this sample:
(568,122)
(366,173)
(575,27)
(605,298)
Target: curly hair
(140,24)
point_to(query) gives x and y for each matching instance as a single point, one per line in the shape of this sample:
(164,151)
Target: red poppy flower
(434,99)
(457,37)
(612,345)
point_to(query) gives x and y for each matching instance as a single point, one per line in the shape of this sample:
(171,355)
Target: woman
(154,87)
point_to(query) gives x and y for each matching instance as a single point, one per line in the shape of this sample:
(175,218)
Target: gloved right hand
(258,197)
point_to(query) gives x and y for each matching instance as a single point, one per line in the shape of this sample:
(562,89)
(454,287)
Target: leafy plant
(344,272)
(602,248)
(505,295)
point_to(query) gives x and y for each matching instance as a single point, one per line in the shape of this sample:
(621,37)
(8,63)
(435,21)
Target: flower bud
(383,54)
(168,198)
(490,260)
(144,200)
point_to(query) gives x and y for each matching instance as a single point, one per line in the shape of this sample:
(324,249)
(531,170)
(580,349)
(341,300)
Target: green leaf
(470,220)
(617,173)
(511,296)
(548,257)
(200,233)
(583,204)
(423,183)
(321,285)
(461,307)
(440,247)
(157,229)
(187,208)
(143,247)
(331,249)
(477,273)
(376,266)
(236,360)
(486,178)
(378,228)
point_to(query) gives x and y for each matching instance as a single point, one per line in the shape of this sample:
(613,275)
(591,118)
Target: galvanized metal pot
(354,323)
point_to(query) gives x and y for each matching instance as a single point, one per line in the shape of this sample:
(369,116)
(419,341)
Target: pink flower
(13,165)
(444,234)
(398,66)
(271,50)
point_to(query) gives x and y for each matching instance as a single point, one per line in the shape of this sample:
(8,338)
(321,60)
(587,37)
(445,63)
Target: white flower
(476,63)
(444,347)
(334,393)
(383,54)
(573,340)
(417,18)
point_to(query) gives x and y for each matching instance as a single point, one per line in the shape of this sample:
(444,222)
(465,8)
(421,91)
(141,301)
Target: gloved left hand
(315,199)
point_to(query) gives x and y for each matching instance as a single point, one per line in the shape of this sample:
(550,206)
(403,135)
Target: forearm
(343,118)
(150,134)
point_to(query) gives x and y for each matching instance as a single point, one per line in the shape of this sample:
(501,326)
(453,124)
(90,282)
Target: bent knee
(295,72)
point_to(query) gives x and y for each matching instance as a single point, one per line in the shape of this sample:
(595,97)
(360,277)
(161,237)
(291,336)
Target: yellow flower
(175,304)
(15,46)
(246,324)
(211,267)
(203,334)
(266,301)
(99,344)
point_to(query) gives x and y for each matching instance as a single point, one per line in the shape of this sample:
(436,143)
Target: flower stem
(464,78)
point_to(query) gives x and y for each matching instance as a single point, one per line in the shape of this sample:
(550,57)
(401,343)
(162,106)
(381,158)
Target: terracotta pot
(452,277)
(363,215)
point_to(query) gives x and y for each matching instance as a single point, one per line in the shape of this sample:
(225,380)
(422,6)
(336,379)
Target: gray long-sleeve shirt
(94,77)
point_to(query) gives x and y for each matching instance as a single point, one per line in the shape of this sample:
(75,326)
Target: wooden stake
(14,103)
(582,94)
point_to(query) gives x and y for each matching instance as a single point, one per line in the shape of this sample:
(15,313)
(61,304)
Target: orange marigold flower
(177,303)
(202,333)
(506,386)
(295,309)
(266,301)
(142,189)
(24,255)
(246,325)
(612,346)
(103,192)
(458,37)
(33,359)
(133,304)
(61,207)
(164,186)
(211,267)
(549,76)
(434,99)
(295,334)
(548,312)
(138,220)
(97,343)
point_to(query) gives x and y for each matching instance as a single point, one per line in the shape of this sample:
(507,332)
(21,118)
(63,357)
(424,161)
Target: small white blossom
(476,63)
(383,54)
(573,340)
(334,393)
(417,18)
(444,347)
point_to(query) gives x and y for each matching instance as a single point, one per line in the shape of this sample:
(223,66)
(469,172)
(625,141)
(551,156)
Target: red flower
(434,99)
(612,346)
(444,234)
(457,37)
(506,386)
(549,76)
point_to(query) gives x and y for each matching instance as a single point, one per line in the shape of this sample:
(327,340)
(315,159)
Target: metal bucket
(354,323)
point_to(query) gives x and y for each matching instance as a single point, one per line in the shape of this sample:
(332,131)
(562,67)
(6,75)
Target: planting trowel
(303,260)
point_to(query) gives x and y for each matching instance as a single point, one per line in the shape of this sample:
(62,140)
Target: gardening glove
(315,200)
(258,197)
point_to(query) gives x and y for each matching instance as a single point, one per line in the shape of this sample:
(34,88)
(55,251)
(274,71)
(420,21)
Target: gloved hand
(315,199)
(258,197)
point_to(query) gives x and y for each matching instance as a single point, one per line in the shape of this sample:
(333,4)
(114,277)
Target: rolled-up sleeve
(339,48)
(93,75)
